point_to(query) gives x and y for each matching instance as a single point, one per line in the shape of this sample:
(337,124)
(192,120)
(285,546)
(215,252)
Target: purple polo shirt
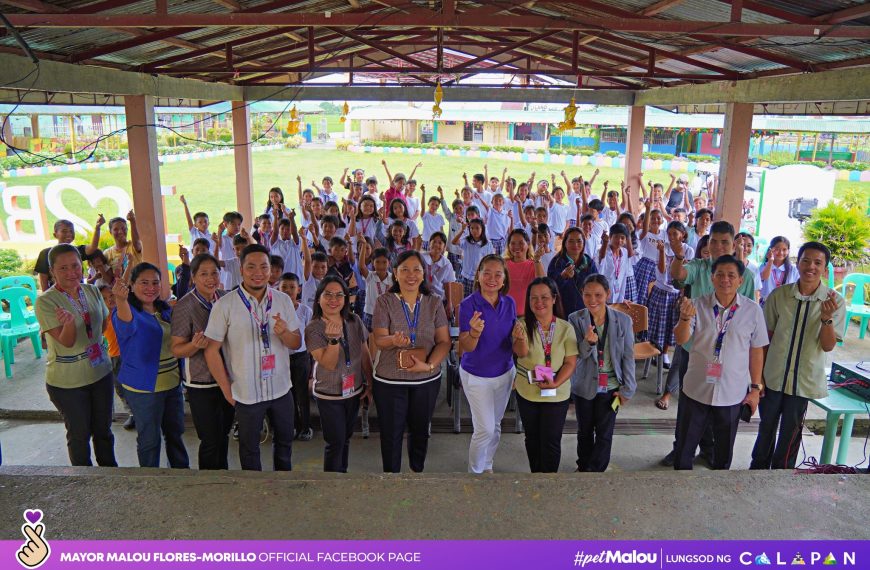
(493,355)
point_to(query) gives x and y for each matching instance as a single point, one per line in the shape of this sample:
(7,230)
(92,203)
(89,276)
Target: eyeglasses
(333,296)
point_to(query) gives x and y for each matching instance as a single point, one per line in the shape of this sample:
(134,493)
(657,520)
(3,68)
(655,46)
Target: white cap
(683,178)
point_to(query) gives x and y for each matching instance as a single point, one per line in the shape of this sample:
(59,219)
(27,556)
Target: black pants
(595,422)
(337,418)
(213,419)
(785,413)
(401,407)
(697,417)
(119,390)
(679,366)
(300,369)
(87,414)
(543,423)
(250,419)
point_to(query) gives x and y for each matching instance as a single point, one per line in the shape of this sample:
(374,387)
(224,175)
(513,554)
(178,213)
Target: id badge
(267,366)
(348,382)
(602,382)
(714,372)
(95,355)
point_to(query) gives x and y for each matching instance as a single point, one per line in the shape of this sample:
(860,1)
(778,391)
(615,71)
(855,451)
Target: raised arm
(95,239)
(134,231)
(306,255)
(592,180)
(343,179)
(389,176)
(416,166)
(645,229)
(186,212)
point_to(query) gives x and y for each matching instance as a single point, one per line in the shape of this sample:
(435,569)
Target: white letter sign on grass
(34,212)
(94,196)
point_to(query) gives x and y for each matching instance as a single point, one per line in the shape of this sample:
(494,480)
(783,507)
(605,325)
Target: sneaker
(129,423)
(306,435)
(236,431)
(668,460)
(666,362)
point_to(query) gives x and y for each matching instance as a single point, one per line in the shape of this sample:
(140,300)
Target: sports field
(209,184)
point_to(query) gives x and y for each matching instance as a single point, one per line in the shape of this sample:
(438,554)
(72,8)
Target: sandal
(662,404)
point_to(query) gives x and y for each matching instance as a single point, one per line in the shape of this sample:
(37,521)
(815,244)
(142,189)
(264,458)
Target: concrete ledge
(97,503)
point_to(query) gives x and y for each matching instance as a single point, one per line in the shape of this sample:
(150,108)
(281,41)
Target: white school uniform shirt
(610,216)
(309,289)
(431,223)
(608,266)
(547,258)
(519,218)
(593,244)
(290,253)
(375,287)
(438,273)
(558,217)
(413,204)
(378,202)
(663,280)
(454,226)
(647,245)
(303,316)
(486,196)
(777,278)
(367,227)
(599,228)
(498,224)
(231,276)
(413,232)
(329,197)
(195,234)
(472,253)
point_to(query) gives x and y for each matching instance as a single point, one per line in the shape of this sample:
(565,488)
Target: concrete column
(34,126)
(733,161)
(244,164)
(145,177)
(634,144)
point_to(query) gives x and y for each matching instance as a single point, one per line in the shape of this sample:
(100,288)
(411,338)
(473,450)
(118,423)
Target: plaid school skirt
(662,317)
(367,321)
(497,245)
(456,261)
(360,304)
(630,289)
(467,287)
(644,274)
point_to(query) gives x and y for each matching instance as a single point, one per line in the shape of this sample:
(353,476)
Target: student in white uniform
(613,261)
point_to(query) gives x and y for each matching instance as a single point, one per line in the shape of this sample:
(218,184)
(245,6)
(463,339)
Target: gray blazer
(584,381)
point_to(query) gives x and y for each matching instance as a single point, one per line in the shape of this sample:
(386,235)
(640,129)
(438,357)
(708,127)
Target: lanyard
(776,281)
(81,307)
(412,325)
(264,325)
(723,328)
(428,272)
(602,340)
(207,305)
(345,344)
(365,223)
(617,262)
(548,341)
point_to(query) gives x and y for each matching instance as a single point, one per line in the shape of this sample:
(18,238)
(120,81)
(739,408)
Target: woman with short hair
(488,337)
(78,376)
(410,329)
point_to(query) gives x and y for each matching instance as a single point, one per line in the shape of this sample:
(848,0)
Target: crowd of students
(349,302)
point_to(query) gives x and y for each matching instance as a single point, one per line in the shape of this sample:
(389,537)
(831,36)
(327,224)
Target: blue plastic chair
(856,306)
(760,249)
(26,281)
(830,275)
(18,325)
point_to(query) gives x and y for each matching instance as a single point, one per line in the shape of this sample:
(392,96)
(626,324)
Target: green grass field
(209,184)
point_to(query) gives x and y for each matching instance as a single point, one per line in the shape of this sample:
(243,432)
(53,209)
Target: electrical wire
(63,158)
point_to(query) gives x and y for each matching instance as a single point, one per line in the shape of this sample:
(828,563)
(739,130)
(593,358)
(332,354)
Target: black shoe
(129,423)
(668,460)
(705,458)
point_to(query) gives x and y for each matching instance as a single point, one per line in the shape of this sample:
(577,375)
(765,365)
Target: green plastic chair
(26,281)
(856,306)
(830,275)
(18,325)
(760,249)
(171,268)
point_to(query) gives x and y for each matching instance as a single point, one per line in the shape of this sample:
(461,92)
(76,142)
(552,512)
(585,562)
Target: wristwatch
(828,322)
(332,341)
(758,387)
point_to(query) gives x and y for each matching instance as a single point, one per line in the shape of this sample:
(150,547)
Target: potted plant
(846,232)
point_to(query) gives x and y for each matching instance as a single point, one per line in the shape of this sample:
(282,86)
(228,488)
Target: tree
(330,108)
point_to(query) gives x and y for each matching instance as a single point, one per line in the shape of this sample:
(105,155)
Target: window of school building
(530,132)
(472,132)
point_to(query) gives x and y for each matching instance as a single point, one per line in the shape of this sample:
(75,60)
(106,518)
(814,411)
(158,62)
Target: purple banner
(419,555)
